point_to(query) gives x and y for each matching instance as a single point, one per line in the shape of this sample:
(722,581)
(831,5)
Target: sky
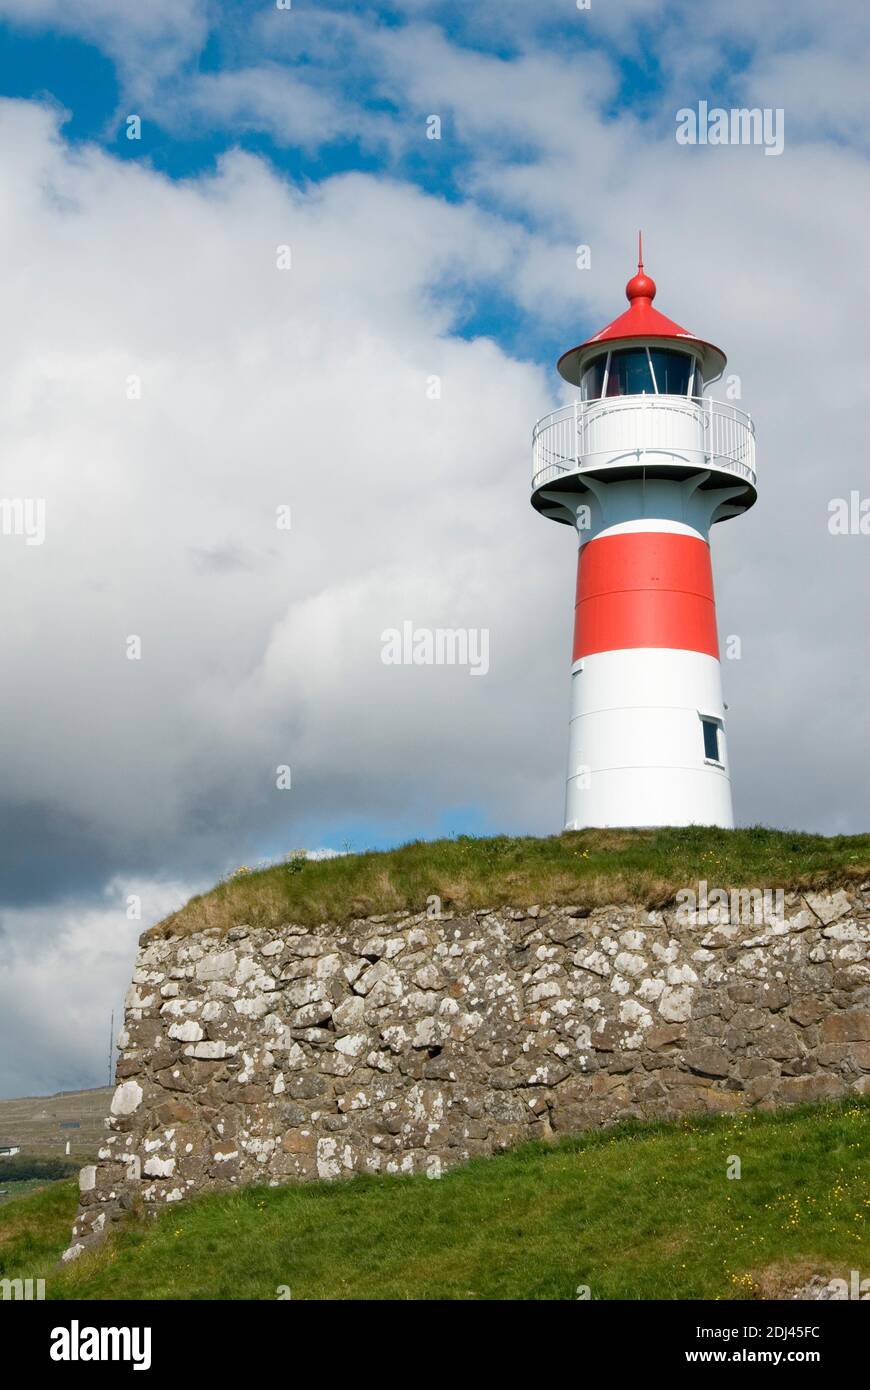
(272,365)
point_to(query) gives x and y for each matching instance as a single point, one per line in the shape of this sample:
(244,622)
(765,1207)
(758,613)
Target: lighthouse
(642,463)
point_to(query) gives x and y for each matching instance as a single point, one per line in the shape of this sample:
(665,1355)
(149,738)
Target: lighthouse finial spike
(641,286)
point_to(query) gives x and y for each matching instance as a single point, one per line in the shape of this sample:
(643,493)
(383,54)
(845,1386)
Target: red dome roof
(640,320)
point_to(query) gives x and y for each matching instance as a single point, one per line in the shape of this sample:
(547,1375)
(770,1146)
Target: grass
(34,1229)
(638,1212)
(588,868)
(21,1187)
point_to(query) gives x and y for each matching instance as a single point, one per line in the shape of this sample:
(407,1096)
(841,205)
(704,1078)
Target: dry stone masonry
(406,1044)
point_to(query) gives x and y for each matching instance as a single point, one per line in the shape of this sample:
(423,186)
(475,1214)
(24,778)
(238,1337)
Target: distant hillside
(43,1124)
(590,868)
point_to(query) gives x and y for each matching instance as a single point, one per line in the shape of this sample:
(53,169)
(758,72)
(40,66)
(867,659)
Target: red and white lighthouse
(642,464)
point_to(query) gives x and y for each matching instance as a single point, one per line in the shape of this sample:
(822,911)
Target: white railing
(649,429)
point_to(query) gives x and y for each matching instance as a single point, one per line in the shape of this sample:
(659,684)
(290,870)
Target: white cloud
(259,387)
(273,99)
(149,42)
(63,971)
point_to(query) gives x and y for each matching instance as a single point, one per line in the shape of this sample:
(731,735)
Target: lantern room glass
(672,371)
(641,371)
(592,381)
(629,374)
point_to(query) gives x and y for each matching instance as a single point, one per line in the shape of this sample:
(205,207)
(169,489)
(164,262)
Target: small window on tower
(711,740)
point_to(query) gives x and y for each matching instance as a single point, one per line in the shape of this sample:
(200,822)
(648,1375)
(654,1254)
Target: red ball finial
(641,285)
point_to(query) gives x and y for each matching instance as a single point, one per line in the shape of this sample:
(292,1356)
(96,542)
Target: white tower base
(636,741)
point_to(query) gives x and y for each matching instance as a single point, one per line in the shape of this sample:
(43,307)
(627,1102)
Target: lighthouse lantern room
(642,463)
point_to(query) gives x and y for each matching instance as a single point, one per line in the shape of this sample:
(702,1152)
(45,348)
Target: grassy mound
(590,868)
(643,1211)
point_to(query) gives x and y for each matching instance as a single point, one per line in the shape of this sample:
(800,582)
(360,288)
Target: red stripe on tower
(645,589)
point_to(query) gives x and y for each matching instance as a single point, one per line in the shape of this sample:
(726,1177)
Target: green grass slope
(588,867)
(34,1229)
(643,1211)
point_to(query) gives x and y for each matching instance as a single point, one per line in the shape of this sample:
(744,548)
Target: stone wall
(410,1043)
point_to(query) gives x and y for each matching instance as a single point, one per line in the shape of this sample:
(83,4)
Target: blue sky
(156,259)
(321,44)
